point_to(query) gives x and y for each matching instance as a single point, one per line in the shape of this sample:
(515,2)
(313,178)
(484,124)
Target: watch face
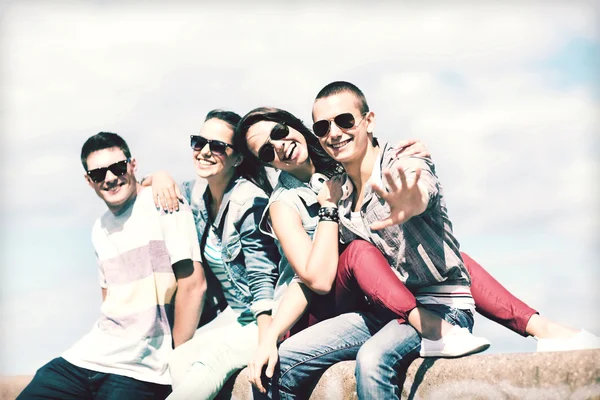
(316,182)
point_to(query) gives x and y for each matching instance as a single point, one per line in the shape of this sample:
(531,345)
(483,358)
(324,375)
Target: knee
(356,249)
(369,362)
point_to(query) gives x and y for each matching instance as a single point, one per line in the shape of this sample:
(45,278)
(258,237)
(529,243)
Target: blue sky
(505,97)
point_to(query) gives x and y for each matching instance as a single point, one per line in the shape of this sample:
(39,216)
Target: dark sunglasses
(215,146)
(344,121)
(99,174)
(266,153)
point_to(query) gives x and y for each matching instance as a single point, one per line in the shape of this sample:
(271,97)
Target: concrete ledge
(564,375)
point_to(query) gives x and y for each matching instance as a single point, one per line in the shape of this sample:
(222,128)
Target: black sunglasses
(215,146)
(99,174)
(344,121)
(266,153)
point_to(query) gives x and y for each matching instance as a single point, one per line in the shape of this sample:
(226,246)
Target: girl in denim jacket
(227,203)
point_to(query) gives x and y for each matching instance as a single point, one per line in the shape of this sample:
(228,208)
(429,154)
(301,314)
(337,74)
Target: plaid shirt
(422,250)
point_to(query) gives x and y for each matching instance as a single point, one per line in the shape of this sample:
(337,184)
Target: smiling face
(344,145)
(115,190)
(291,151)
(210,165)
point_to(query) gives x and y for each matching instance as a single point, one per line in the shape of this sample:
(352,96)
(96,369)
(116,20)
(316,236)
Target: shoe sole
(475,350)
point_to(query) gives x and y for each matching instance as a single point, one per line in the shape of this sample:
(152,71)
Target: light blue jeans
(382,351)
(201,366)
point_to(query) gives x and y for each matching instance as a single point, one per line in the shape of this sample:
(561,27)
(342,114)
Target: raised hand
(165,192)
(331,192)
(406,199)
(266,354)
(412,147)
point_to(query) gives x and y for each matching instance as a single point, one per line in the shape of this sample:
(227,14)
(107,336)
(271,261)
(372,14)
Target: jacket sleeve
(261,256)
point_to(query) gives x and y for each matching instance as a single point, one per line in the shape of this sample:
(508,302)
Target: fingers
(379,190)
(404,146)
(271,365)
(417,176)
(172,201)
(402,177)
(178,193)
(390,181)
(254,371)
(379,225)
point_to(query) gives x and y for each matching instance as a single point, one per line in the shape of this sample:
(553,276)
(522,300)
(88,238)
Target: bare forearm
(292,307)
(188,308)
(321,266)
(263,321)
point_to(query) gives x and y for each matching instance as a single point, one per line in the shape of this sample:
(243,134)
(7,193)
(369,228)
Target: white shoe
(580,341)
(456,343)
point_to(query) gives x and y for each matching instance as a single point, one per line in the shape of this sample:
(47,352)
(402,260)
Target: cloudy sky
(504,96)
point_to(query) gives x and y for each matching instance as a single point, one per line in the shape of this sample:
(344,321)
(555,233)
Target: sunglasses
(343,121)
(215,146)
(266,153)
(117,169)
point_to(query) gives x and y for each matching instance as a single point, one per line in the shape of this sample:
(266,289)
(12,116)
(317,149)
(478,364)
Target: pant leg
(364,271)
(118,387)
(379,360)
(217,354)
(58,379)
(185,355)
(382,361)
(307,354)
(494,301)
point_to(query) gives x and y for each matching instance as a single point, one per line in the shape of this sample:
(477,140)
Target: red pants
(365,279)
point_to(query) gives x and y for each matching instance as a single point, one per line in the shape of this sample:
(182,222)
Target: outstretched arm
(293,305)
(408,195)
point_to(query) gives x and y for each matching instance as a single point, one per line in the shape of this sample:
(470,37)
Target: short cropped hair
(101,141)
(340,86)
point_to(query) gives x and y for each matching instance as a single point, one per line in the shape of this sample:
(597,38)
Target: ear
(239,160)
(89,180)
(370,122)
(133,163)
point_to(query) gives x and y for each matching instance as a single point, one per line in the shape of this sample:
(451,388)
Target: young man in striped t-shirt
(152,287)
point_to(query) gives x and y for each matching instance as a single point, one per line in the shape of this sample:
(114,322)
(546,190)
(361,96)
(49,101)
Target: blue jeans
(381,350)
(59,379)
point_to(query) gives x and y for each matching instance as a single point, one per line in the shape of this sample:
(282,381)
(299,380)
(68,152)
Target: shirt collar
(348,187)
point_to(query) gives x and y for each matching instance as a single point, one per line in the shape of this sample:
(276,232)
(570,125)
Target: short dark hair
(229,117)
(340,86)
(249,169)
(322,161)
(101,141)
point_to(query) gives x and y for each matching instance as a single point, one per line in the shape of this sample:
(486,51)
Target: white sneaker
(456,343)
(580,341)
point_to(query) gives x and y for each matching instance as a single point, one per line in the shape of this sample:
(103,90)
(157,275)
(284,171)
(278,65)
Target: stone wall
(548,376)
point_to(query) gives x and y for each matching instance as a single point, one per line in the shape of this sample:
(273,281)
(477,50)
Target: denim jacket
(249,256)
(300,197)
(423,249)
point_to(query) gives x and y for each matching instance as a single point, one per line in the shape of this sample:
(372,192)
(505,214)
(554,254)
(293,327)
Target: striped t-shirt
(136,250)
(213,256)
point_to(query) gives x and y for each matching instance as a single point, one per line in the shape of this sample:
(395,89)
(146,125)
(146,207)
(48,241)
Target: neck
(359,171)
(217,186)
(304,172)
(121,208)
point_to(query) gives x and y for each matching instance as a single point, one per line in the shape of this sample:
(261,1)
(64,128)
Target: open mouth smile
(339,145)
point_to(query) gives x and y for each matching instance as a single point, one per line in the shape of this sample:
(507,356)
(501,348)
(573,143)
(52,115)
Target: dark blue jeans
(382,351)
(59,379)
